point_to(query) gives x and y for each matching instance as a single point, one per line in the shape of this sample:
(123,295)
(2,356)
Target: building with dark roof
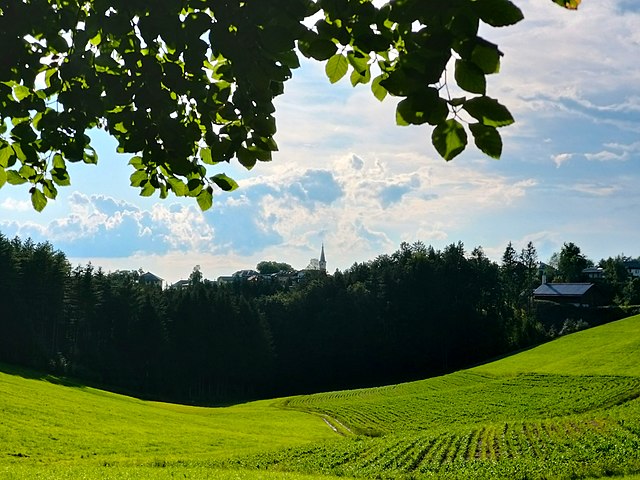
(149,278)
(580,294)
(180,284)
(593,273)
(633,267)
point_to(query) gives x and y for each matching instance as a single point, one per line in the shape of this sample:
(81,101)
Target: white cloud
(598,190)
(104,226)
(615,152)
(16,205)
(561,158)
(573,64)
(606,156)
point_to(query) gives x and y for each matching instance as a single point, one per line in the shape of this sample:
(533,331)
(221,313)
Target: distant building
(318,264)
(286,278)
(246,275)
(239,276)
(149,278)
(593,273)
(180,284)
(579,294)
(633,267)
(323,262)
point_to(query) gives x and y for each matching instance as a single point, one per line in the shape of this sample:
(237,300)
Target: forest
(414,313)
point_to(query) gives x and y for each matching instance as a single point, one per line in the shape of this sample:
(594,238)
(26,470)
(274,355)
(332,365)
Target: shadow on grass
(31,374)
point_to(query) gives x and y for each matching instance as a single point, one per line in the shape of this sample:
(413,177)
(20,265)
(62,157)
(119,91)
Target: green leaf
(178,186)
(138,177)
(357,77)
(21,92)
(19,153)
(247,158)
(568,4)
(51,78)
(119,127)
(14,178)
(359,62)
(58,43)
(227,184)
(61,177)
(404,113)
(378,90)
(27,171)
(488,111)
(403,82)
(194,186)
(487,57)
(206,157)
(262,154)
(3,177)
(336,67)
(90,156)
(38,200)
(498,13)
(426,107)
(25,133)
(449,139)
(319,49)
(5,154)
(469,77)
(487,139)
(205,199)
(58,161)
(96,39)
(49,189)
(181,165)
(147,190)
(136,162)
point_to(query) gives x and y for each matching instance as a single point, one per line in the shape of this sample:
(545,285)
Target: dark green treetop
(268,267)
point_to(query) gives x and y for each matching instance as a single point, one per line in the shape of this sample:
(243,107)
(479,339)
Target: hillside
(611,349)
(566,409)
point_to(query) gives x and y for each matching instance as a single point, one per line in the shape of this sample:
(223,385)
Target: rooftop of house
(149,277)
(593,270)
(562,289)
(632,264)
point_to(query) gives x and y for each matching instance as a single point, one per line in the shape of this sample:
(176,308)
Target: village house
(149,278)
(633,267)
(578,294)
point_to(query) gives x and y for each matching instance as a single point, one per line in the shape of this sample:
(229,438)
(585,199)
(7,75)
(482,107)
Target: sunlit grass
(47,424)
(611,349)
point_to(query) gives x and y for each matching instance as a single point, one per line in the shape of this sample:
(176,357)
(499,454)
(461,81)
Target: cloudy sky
(348,177)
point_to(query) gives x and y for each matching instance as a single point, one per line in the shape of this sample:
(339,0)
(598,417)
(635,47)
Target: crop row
(593,446)
(471,400)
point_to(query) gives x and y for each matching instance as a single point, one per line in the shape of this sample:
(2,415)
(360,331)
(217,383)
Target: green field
(566,409)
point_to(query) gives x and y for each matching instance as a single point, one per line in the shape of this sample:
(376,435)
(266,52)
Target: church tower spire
(323,262)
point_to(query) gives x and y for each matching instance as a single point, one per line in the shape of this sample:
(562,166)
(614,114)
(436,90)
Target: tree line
(407,315)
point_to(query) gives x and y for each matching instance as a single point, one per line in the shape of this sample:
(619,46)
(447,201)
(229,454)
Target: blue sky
(347,176)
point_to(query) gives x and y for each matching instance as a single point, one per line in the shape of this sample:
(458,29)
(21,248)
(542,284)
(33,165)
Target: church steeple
(323,262)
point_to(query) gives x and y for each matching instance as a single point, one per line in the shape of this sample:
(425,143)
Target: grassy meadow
(566,409)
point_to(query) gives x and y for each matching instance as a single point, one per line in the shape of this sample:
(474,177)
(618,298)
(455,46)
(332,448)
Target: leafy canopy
(192,84)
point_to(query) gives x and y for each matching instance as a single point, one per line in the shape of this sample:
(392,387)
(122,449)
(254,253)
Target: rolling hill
(566,409)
